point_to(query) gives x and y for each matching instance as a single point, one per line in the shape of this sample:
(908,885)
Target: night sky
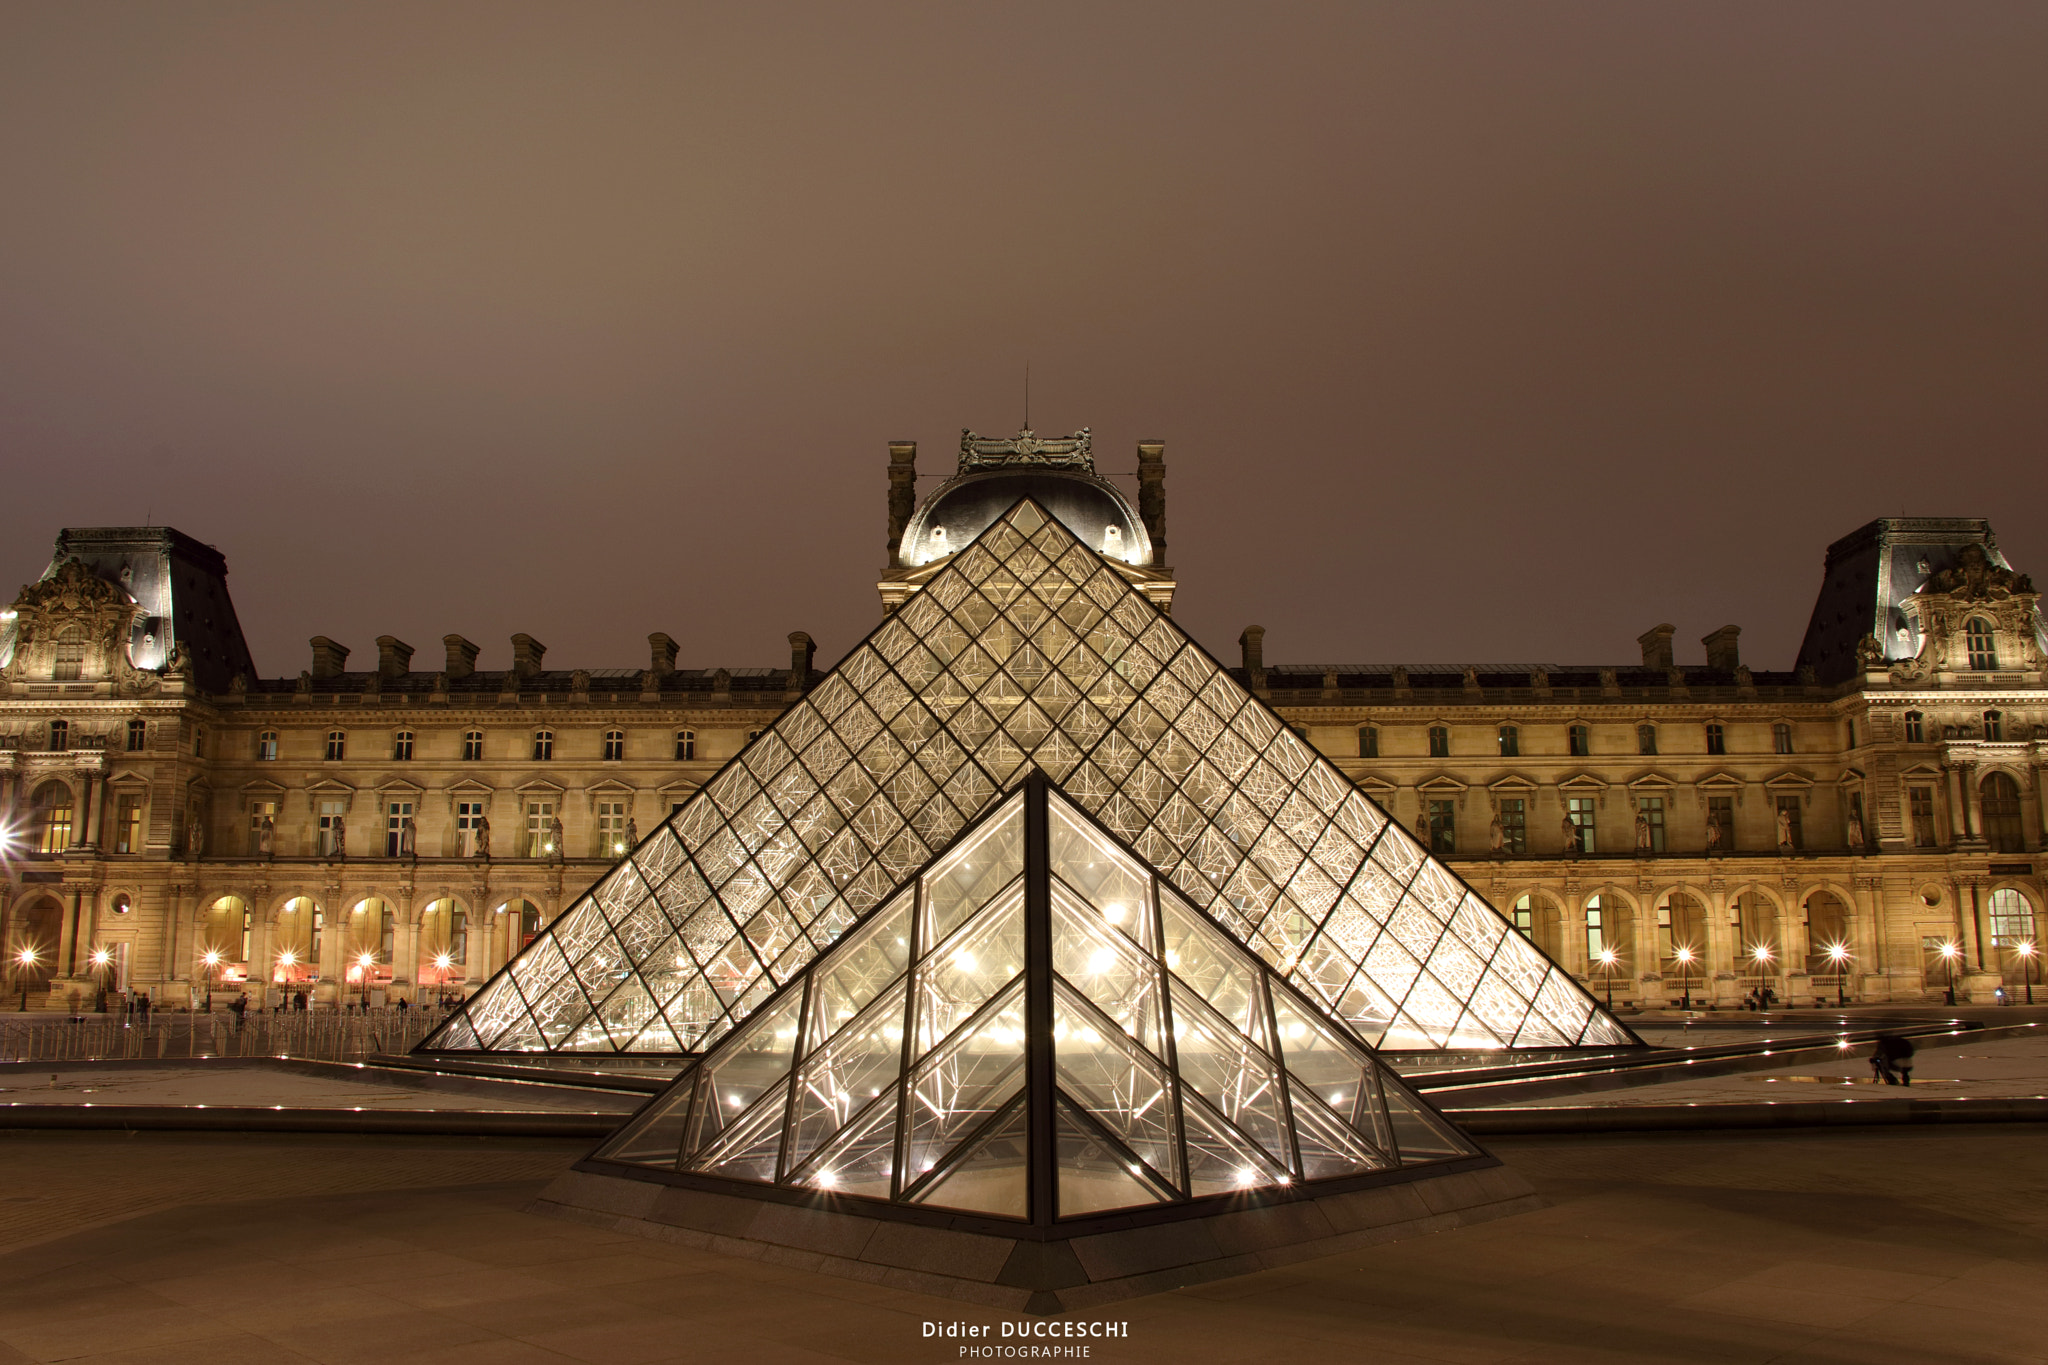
(1475,334)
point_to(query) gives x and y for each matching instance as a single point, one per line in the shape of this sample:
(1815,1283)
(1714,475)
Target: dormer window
(69,662)
(1982,643)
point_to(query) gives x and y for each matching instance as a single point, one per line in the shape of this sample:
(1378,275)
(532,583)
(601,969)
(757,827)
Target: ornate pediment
(1026,449)
(72,626)
(1976,579)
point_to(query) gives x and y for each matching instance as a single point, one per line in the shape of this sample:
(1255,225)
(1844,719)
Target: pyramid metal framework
(1037,1028)
(1026,649)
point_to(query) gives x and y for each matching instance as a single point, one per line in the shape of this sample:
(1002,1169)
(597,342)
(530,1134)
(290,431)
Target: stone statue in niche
(632,832)
(480,838)
(1869,654)
(1713,836)
(1571,835)
(1642,832)
(340,842)
(1855,833)
(1784,831)
(554,848)
(1496,837)
(195,835)
(1422,828)
(405,837)
(266,837)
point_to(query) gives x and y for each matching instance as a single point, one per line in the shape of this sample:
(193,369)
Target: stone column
(92,789)
(1958,818)
(477,931)
(1973,808)
(260,964)
(405,952)
(1720,946)
(334,943)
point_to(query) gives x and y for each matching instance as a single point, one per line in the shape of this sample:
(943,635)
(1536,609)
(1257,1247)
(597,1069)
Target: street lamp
(363,965)
(1760,955)
(1838,954)
(2025,948)
(212,959)
(1607,975)
(1949,953)
(25,962)
(101,959)
(443,962)
(1684,954)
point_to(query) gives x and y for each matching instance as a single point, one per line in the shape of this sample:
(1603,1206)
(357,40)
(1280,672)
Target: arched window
(473,746)
(2003,829)
(1916,727)
(1827,934)
(543,745)
(337,745)
(1439,741)
(1982,643)
(1682,928)
(266,746)
(53,815)
(1539,921)
(1646,738)
(2014,935)
(1994,726)
(1510,741)
(614,745)
(686,745)
(401,747)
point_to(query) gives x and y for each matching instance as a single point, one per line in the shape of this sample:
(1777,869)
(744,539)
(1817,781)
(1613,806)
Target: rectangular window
(686,745)
(543,745)
(1652,808)
(1781,738)
(60,736)
(1852,734)
(1721,816)
(1994,726)
(1525,919)
(1646,739)
(1439,741)
(469,823)
(1788,823)
(1596,938)
(611,828)
(473,746)
(138,736)
(1916,728)
(259,811)
(69,663)
(753,735)
(1578,741)
(1579,810)
(266,747)
(1514,825)
(1920,800)
(333,815)
(337,746)
(54,835)
(458,936)
(398,834)
(1443,827)
(540,842)
(1368,741)
(1982,642)
(1510,742)
(401,747)
(614,745)
(675,808)
(199,741)
(128,824)
(1717,738)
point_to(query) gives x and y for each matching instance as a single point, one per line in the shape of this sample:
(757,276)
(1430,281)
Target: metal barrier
(320,1037)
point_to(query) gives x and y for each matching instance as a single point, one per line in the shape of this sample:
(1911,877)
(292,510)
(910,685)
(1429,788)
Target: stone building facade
(1867,825)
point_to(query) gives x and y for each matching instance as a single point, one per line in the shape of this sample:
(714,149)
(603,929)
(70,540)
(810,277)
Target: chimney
(1724,654)
(802,649)
(1152,496)
(394,657)
(902,495)
(1253,644)
(527,653)
(662,651)
(329,658)
(461,656)
(1656,643)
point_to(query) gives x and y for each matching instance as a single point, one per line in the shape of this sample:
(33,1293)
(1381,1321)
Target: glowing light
(287,958)
(2025,947)
(827,1179)
(212,958)
(1102,961)
(101,957)
(963,960)
(1247,1176)
(1837,952)
(26,957)
(1114,913)
(1951,950)
(443,961)
(1683,954)
(1607,957)
(1761,952)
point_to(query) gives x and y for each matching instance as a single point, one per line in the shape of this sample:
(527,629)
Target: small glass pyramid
(1038,1028)
(1026,648)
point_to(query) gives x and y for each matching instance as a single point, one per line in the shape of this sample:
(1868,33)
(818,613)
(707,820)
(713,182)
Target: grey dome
(969,504)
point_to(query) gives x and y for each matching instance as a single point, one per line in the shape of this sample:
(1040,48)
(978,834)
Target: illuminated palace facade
(1867,825)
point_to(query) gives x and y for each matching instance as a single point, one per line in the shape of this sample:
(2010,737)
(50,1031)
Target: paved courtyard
(1875,1246)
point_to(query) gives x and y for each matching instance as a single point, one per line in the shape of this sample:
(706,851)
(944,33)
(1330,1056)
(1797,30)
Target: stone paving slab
(292,1086)
(1792,1249)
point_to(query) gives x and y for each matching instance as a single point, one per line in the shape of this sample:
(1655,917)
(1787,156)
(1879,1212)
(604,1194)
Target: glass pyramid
(1036,1027)
(1026,648)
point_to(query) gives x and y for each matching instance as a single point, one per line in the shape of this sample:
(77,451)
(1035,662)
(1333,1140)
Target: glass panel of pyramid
(1026,650)
(1157,1088)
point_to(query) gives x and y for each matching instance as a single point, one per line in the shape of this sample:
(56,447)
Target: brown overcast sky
(1491,333)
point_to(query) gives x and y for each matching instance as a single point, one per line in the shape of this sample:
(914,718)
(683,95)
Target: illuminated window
(397,827)
(1579,741)
(138,736)
(337,745)
(1916,728)
(1596,939)
(1982,643)
(1646,739)
(540,841)
(53,814)
(686,745)
(1439,741)
(266,746)
(473,746)
(2012,919)
(128,824)
(1510,741)
(614,745)
(259,811)
(1525,918)
(401,747)
(1579,809)
(1368,741)
(1781,738)
(611,828)
(333,816)
(543,745)
(1717,738)
(1652,808)
(469,826)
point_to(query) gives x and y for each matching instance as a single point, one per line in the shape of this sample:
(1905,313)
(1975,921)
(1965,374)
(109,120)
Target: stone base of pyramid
(1097,1262)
